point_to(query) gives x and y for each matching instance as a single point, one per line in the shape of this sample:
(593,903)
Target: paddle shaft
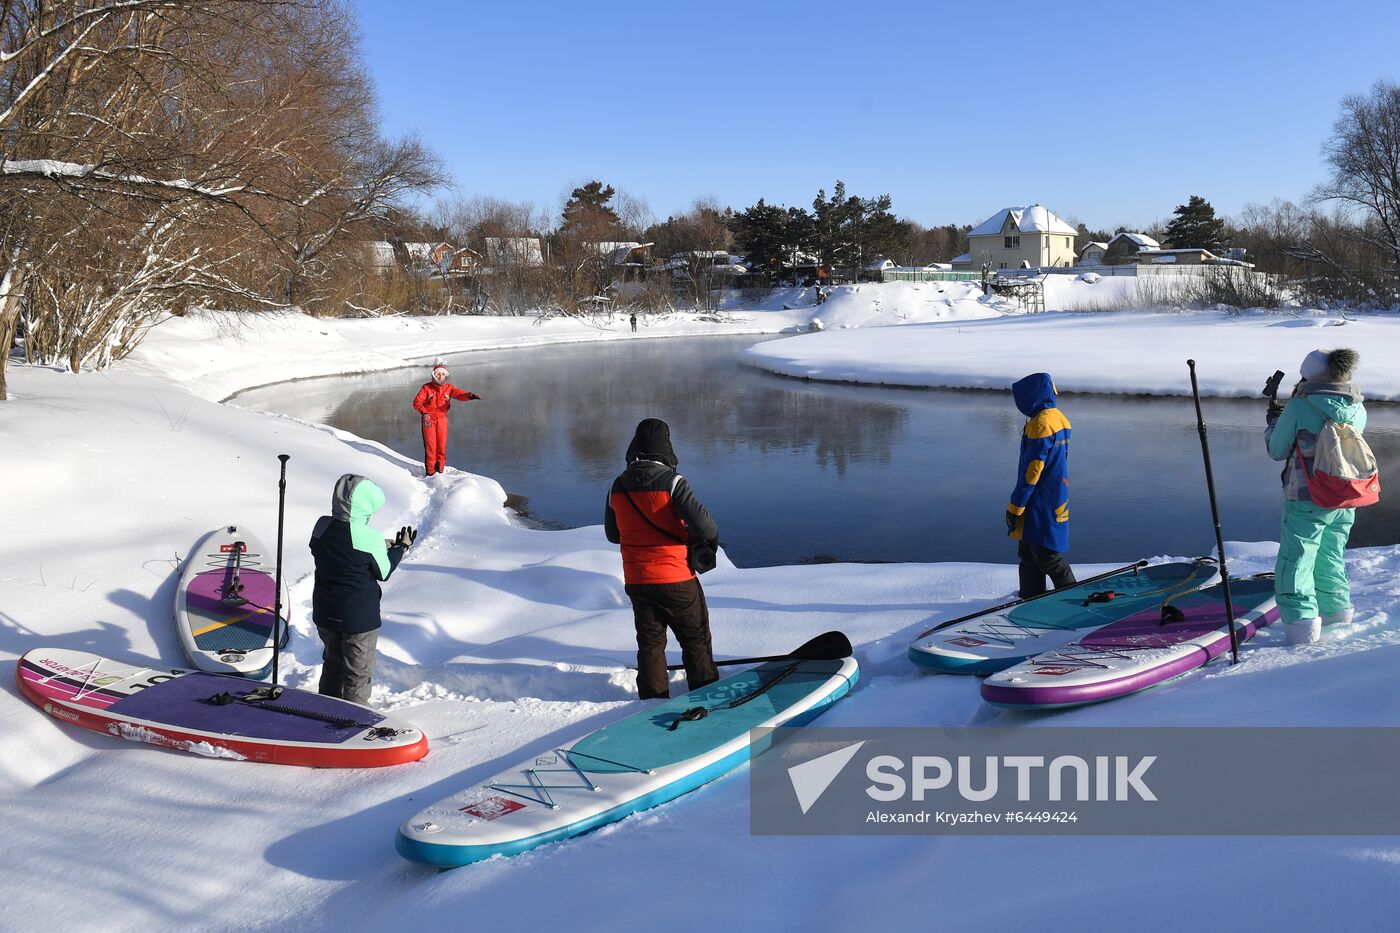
(277,591)
(1138,565)
(1215,516)
(828,646)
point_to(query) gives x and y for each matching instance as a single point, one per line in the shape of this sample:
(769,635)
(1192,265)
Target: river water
(799,471)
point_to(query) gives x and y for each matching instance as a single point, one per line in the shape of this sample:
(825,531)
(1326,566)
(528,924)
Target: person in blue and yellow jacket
(1038,516)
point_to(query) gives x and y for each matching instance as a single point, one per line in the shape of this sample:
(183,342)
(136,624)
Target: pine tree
(1196,227)
(588,210)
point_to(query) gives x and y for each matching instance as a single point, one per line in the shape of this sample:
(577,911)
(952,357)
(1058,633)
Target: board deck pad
(173,707)
(225,603)
(1137,652)
(647,741)
(1000,639)
(630,765)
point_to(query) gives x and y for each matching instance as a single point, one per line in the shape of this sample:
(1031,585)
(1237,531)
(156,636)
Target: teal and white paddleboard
(998,639)
(636,763)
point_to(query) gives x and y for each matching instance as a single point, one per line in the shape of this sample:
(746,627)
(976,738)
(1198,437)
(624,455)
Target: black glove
(405,537)
(1275,409)
(1011,521)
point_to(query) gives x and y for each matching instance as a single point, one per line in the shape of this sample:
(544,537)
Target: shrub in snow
(1090,277)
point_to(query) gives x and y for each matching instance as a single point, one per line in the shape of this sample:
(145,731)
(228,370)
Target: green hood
(355,500)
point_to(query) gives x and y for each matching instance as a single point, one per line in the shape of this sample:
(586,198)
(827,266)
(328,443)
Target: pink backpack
(1344,474)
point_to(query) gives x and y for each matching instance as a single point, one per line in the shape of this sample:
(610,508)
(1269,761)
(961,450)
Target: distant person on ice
(1310,577)
(351,559)
(652,513)
(1038,516)
(432,402)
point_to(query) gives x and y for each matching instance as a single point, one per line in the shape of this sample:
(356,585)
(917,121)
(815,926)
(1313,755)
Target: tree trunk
(11,287)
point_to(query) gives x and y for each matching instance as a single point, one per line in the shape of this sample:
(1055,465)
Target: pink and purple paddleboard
(1141,651)
(215,715)
(225,603)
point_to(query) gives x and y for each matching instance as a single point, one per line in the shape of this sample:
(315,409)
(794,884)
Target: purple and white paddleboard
(215,715)
(224,604)
(1141,651)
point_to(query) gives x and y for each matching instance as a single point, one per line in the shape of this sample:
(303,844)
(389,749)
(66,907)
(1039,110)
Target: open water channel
(799,471)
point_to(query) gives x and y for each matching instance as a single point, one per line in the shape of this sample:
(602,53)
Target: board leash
(266,698)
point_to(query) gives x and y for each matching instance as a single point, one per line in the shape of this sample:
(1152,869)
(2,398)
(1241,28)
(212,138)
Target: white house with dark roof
(1125,246)
(1092,253)
(1020,237)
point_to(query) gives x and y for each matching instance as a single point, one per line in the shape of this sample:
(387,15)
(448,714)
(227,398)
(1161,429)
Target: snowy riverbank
(501,640)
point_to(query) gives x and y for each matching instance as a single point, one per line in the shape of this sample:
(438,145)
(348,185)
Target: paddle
(277,580)
(1016,602)
(1215,516)
(828,646)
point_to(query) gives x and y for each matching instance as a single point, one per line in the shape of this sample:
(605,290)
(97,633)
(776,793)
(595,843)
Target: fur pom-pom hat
(1329,365)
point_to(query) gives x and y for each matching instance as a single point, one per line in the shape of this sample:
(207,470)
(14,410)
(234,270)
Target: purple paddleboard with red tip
(215,715)
(1141,651)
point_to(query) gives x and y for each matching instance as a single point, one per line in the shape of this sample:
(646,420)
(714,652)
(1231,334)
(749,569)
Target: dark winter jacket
(351,558)
(1041,495)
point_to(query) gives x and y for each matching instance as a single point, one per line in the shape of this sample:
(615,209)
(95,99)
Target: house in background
(1124,248)
(421,258)
(514,251)
(1092,254)
(1193,256)
(1019,238)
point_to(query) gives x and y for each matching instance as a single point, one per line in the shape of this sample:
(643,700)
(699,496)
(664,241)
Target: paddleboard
(999,639)
(1135,653)
(224,604)
(177,708)
(636,763)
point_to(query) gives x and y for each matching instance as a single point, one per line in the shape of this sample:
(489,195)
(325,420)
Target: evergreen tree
(1196,226)
(767,234)
(588,210)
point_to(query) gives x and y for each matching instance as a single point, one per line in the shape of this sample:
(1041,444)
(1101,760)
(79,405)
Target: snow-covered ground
(1132,352)
(501,639)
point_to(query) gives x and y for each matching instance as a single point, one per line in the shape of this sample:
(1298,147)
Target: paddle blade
(828,646)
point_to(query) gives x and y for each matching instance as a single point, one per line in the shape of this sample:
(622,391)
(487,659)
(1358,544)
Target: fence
(921,275)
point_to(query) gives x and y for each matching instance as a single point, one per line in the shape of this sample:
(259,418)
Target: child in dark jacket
(351,560)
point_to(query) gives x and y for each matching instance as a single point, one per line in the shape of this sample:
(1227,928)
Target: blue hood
(1034,393)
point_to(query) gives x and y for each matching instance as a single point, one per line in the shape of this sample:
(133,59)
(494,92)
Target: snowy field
(501,640)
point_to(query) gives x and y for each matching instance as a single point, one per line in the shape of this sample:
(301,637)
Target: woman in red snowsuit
(432,402)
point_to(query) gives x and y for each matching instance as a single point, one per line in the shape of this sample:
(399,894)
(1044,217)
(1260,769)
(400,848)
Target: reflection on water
(796,471)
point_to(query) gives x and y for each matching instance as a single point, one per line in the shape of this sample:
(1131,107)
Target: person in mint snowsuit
(432,402)
(1038,514)
(351,561)
(1310,576)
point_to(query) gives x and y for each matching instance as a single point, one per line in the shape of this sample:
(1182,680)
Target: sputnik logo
(811,778)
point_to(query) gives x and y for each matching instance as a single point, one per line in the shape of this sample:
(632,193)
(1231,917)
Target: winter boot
(1341,617)
(1304,631)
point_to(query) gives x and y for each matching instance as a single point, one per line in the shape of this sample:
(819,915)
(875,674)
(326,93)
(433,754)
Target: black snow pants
(681,608)
(1037,563)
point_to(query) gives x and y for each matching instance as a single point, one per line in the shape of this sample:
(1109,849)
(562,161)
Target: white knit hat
(1315,367)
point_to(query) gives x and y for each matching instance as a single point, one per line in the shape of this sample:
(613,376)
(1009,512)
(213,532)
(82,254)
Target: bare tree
(157,153)
(1364,155)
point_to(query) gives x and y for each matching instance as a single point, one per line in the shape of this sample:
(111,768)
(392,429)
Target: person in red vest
(432,402)
(652,513)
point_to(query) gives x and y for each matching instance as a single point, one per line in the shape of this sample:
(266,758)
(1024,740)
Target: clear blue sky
(1108,113)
